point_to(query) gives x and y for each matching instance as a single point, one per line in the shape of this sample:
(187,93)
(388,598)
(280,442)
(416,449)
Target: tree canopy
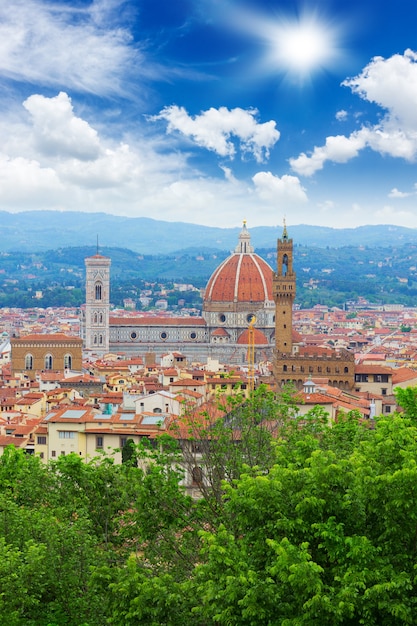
(315,526)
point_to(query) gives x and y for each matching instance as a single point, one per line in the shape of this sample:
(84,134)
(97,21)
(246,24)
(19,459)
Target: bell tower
(97,304)
(283,286)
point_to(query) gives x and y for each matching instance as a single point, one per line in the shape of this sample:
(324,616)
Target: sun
(302,46)
(298,45)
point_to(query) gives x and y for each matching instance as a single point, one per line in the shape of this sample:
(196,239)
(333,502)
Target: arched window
(157,410)
(68,362)
(48,362)
(100,339)
(284,265)
(28,362)
(98,291)
(95,318)
(95,339)
(101,318)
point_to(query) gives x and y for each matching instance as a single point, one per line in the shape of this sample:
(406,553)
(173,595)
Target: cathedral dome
(244,277)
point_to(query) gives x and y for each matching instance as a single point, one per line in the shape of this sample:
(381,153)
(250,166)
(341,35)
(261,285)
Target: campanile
(97,303)
(284,294)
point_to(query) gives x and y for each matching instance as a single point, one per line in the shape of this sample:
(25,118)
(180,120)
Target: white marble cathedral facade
(239,289)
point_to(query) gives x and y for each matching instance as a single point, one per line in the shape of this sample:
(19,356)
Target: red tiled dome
(240,278)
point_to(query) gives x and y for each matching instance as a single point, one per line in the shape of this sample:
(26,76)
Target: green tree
(129,454)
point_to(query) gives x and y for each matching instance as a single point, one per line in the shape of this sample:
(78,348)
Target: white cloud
(58,131)
(277,190)
(341,115)
(339,149)
(56,44)
(53,159)
(214,129)
(395,193)
(22,180)
(391,84)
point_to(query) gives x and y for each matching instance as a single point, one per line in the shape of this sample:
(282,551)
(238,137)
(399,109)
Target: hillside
(34,231)
(329,275)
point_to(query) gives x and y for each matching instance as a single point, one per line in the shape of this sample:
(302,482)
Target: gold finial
(244,222)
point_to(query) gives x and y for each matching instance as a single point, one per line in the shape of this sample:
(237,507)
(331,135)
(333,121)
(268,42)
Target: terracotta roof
(187,382)
(258,336)
(403,374)
(316,398)
(56,337)
(220,332)
(372,369)
(7,440)
(240,278)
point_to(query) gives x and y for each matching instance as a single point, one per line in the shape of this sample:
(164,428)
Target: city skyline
(211,112)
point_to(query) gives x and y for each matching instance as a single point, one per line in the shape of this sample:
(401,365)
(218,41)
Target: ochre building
(37,353)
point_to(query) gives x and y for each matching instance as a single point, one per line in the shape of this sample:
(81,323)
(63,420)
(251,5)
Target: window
(123,442)
(163,335)
(28,362)
(157,410)
(197,474)
(41,440)
(387,409)
(66,434)
(62,452)
(99,443)
(381,378)
(41,455)
(384,392)
(48,362)
(53,453)
(193,335)
(67,362)
(361,378)
(98,291)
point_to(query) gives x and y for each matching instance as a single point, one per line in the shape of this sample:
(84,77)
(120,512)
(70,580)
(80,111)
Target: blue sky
(211,111)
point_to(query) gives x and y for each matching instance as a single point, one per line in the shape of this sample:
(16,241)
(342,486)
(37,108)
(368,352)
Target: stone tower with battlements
(283,286)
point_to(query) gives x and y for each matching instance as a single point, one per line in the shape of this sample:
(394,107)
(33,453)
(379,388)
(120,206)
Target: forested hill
(34,231)
(328,275)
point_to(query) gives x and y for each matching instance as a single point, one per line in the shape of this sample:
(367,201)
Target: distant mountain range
(33,231)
